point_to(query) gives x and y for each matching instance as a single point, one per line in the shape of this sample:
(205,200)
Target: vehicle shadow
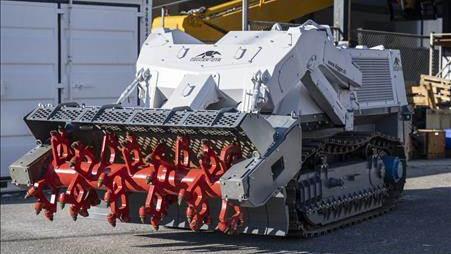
(15,197)
(420,223)
(418,168)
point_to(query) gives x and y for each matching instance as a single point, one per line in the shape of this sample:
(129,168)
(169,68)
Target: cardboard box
(429,144)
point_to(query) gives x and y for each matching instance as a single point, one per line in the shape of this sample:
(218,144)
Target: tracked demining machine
(264,132)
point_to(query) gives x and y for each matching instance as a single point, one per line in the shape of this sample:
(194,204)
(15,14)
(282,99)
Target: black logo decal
(207,56)
(337,67)
(397,64)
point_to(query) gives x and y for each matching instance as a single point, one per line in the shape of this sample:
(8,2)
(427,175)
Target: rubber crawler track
(350,142)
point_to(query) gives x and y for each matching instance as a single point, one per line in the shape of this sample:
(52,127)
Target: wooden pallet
(432,92)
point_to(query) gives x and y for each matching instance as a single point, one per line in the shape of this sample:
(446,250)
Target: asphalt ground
(421,223)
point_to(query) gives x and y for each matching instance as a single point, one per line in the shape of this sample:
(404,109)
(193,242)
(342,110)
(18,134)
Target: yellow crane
(210,24)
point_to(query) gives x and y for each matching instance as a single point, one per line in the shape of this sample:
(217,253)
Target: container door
(100,49)
(29,70)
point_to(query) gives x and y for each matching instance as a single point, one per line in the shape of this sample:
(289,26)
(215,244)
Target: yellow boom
(212,23)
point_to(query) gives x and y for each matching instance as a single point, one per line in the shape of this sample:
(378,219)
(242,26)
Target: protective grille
(70,114)
(201,118)
(88,115)
(150,126)
(227,119)
(114,116)
(376,80)
(176,118)
(41,114)
(155,117)
(414,51)
(151,119)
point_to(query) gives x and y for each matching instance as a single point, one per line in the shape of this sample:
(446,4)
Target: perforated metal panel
(175,118)
(152,118)
(151,126)
(202,117)
(113,116)
(40,114)
(156,117)
(376,80)
(227,119)
(70,114)
(88,115)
